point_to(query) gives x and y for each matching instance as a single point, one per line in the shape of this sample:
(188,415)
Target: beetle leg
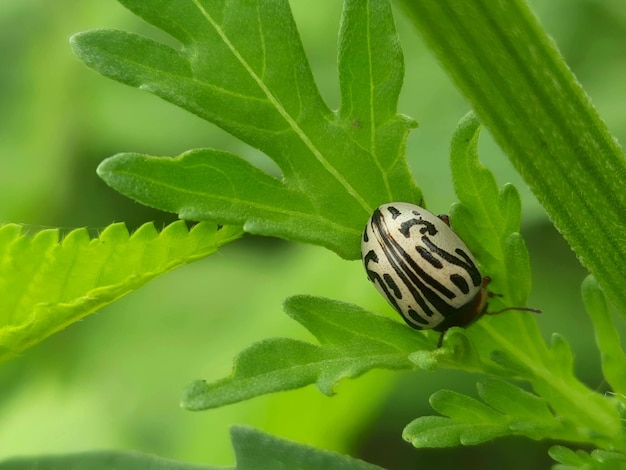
(445,219)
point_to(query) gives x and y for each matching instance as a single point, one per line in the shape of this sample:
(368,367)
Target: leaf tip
(108,166)
(75,42)
(193,395)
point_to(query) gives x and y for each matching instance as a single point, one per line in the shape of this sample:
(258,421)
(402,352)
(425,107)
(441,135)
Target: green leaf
(340,323)
(510,206)
(462,408)
(608,459)
(256,450)
(596,460)
(47,284)
(436,432)
(100,460)
(241,66)
(510,71)
(607,337)
(458,351)
(561,357)
(510,345)
(568,457)
(527,412)
(469,422)
(508,360)
(352,341)
(486,218)
(488,221)
(507,410)
(517,261)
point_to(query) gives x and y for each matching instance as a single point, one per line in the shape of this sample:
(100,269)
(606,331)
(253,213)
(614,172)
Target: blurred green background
(114,379)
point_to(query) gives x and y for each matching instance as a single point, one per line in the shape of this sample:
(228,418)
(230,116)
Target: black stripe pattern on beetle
(422,267)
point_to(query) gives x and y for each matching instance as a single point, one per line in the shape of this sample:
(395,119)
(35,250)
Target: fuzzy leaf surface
(488,220)
(257,450)
(241,66)
(505,410)
(47,284)
(607,337)
(351,342)
(509,345)
(511,72)
(595,460)
(254,450)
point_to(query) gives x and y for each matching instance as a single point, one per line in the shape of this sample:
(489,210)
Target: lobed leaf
(352,341)
(568,457)
(510,208)
(507,410)
(561,357)
(607,337)
(510,345)
(486,218)
(488,221)
(437,431)
(47,284)
(241,66)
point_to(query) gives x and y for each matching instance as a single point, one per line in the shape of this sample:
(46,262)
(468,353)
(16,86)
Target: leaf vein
(293,124)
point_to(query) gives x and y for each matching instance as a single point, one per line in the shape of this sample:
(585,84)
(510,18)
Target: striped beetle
(424,269)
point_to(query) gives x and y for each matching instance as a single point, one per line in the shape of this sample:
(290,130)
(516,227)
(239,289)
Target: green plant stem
(519,85)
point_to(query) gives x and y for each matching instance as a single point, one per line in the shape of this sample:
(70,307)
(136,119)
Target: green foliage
(100,460)
(488,220)
(607,337)
(254,451)
(523,91)
(509,345)
(231,68)
(244,69)
(352,341)
(595,460)
(47,284)
(506,410)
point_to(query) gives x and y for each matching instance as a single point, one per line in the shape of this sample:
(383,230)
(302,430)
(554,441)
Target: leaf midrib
(286,116)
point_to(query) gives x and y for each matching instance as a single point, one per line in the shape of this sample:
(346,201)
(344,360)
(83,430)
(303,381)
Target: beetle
(423,269)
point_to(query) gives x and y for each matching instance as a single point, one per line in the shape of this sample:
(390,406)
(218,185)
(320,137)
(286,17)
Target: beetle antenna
(521,309)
